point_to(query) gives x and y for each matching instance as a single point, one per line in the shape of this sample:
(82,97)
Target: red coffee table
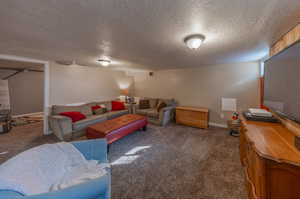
(117,128)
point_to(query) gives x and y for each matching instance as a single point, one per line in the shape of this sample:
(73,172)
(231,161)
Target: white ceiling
(144,34)
(9,67)
(19,65)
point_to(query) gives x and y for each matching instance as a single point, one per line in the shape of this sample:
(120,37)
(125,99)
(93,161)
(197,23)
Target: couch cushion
(153,102)
(144,104)
(57,109)
(153,113)
(91,104)
(169,102)
(82,124)
(107,104)
(95,108)
(100,111)
(161,105)
(114,114)
(75,116)
(143,111)
(86,110)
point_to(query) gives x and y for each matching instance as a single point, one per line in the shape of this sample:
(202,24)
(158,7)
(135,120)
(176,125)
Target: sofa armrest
(168,108)
(61,126)
(166,115)
(93,149)
(135,107)
(97,188)
(10,194)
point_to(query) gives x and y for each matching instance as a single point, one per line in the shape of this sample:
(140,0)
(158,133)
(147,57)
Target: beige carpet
(177,162)
(174,162)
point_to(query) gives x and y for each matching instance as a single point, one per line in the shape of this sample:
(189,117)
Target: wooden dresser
(270,160)
(192,116)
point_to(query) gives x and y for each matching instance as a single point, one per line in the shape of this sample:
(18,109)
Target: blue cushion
(10,194)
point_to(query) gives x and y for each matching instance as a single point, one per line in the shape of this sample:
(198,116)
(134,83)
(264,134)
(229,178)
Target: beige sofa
(63,127)
(163,117)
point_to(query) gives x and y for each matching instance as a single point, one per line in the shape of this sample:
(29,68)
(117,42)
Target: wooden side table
(192,116)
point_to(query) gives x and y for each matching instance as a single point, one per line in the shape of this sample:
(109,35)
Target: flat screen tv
(282,83)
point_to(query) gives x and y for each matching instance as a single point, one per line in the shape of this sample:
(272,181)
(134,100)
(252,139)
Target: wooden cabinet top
(272,141)
(188,108)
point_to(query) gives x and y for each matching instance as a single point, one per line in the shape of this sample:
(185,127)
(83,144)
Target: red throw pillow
(95,107)
(75,116)
(117,106)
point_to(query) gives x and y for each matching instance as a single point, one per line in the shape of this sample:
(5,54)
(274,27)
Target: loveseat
(161,117)
(65,129)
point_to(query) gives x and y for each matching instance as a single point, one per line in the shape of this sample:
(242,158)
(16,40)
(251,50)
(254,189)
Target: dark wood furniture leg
(145,128)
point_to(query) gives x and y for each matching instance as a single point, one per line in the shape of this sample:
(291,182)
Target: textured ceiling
(9,67)
(144,34)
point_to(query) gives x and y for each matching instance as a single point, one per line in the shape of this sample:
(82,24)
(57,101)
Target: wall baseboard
(217,125)
(28,114)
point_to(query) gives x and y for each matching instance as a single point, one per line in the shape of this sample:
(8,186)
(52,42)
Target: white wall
(77,84)
(26,91)
(204,87)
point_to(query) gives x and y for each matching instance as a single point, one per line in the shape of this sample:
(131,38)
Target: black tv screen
(282,83)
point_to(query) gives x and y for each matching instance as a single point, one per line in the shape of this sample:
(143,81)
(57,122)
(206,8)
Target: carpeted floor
(21,138)
(175,162)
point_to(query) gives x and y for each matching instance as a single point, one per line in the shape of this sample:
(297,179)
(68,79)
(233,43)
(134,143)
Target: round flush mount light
(104,62)
(194,41)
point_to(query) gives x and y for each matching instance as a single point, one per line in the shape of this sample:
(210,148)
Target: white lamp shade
(228,104)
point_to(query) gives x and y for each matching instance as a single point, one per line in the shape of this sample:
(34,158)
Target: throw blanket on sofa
(47,167)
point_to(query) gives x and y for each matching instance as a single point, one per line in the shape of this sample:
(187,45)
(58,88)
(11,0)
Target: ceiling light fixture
(194,41)
(104,62)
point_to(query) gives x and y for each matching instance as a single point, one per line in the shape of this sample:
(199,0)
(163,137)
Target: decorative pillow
(100,111)
(102,105)
(153,102)
(160,105)
(94,108)
(74,115)
(144,104)
(117,106)
(85,109)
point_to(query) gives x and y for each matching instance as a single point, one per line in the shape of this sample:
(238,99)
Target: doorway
(27,67)
(24,91)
